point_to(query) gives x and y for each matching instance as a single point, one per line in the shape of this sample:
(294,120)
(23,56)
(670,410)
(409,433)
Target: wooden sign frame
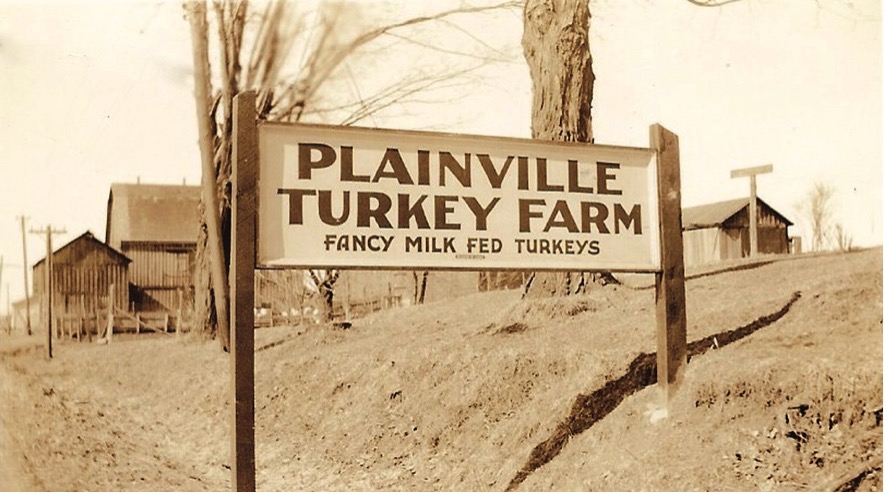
(427,198)
(670,294)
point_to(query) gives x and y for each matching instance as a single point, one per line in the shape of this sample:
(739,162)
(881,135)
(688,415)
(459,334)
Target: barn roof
(89,237)
(152,213)
(713,214)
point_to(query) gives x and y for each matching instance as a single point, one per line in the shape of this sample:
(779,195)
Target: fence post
(178,313)
(82,323)
(110,312)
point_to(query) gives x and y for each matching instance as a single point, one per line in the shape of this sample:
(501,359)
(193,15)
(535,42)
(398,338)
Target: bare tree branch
(399,92)
(440,49)
(273,33)
(310,84)
(471,36)
(712,3)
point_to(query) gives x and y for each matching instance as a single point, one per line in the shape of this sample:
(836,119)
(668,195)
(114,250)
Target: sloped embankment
(590,408)
(434,398)
(795,406)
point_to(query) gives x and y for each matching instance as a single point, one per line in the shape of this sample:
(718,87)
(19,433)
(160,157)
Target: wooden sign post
(244,211)
(411,200)
(751,173)
(670,292)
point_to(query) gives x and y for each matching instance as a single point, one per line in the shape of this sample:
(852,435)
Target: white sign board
(354,197)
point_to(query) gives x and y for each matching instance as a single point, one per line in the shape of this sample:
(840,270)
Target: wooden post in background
(110,332)
(82,324)
(48,231)
(670,291)
(751,173)
(242,284)
(97,324)
(178,314)
(50,300)
(25,268)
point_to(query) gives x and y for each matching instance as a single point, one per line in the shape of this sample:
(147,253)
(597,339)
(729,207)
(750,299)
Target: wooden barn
(83,272)
(155,226)
(721,231)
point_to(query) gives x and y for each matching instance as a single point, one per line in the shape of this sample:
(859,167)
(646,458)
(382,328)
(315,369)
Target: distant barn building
(721,231)
(83,272)
(156,226)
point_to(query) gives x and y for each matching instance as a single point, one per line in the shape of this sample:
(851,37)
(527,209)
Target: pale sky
(99,92)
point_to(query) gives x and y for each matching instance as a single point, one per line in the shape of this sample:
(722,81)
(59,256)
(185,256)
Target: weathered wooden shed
(721,231)
(83,272)
(156,226)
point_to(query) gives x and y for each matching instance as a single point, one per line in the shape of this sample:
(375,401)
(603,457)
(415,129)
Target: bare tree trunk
(326,288)
(203,316)
(328,294)
(557,50)
(415,287)
(280,97)
(424,287)
(202,85)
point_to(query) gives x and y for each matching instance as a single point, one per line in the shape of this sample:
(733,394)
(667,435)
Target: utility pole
(751,173)
(25,268)
(49,285)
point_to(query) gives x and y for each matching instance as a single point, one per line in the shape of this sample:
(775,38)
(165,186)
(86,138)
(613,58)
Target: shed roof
(713,214)
(88,237)
(152,213)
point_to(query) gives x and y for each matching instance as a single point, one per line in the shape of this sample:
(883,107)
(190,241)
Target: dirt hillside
(783,391)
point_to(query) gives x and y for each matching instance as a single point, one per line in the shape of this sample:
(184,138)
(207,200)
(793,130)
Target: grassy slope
(434,398)
(739,422)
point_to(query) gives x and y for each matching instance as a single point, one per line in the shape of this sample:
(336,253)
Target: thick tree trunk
(327,293)
(557,50)
(555,44)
